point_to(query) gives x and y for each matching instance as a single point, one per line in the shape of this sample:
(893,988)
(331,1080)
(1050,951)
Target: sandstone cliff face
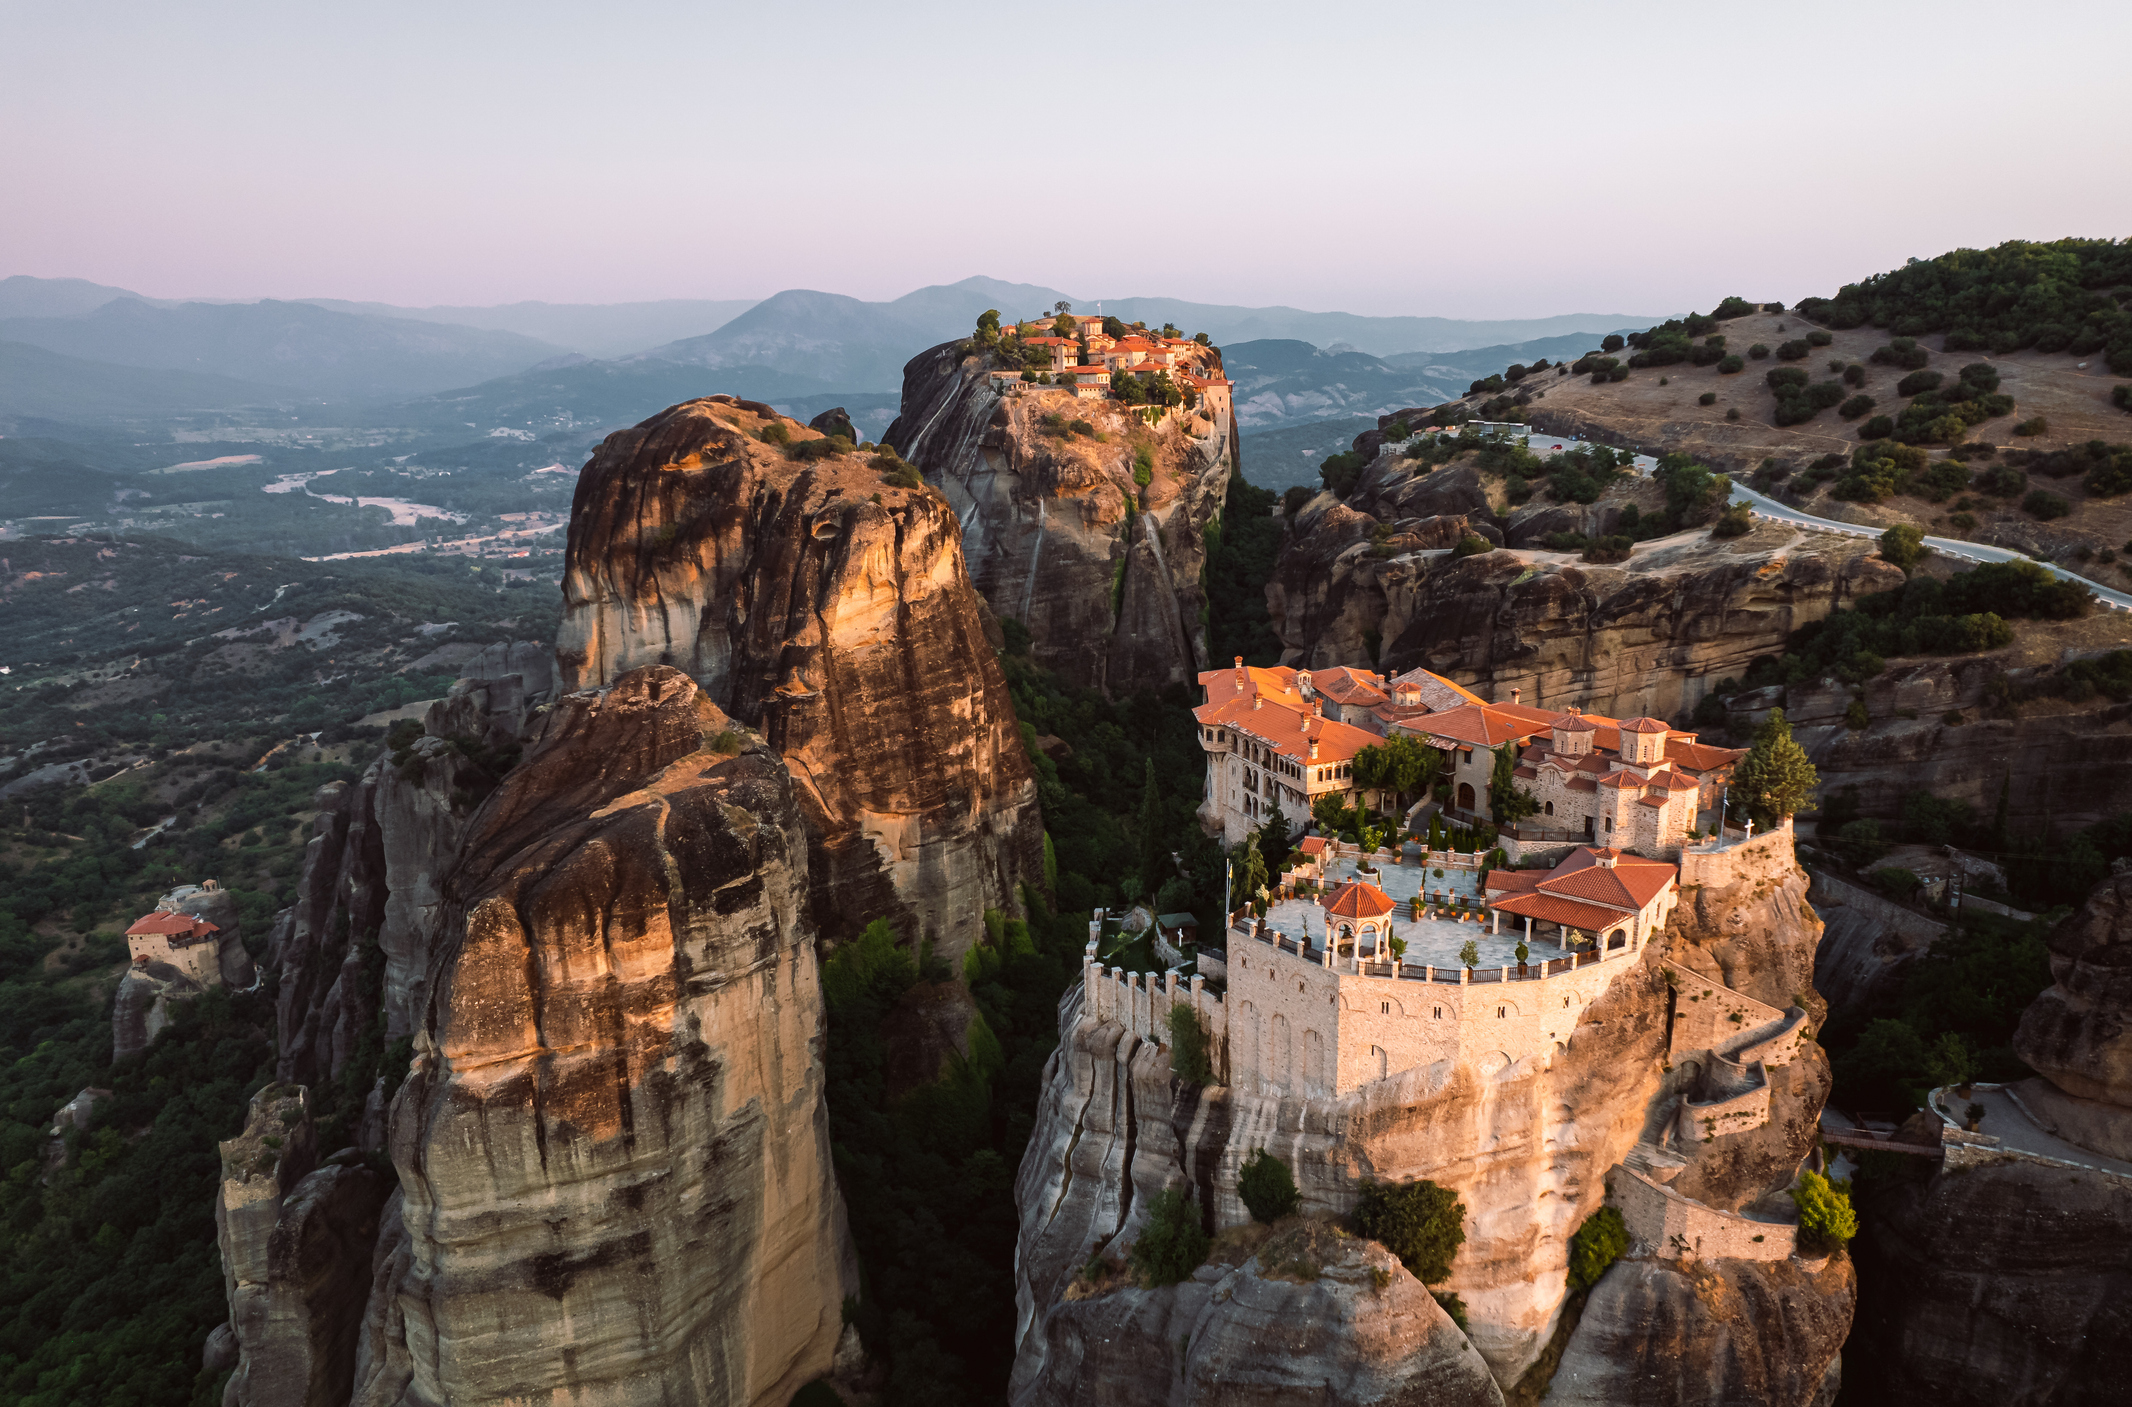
(2062,760)
(1053,525)
(614,1164)
(832,610)
(1528,1156)
(359,937)
(1648,636)
(2078,1033)
(1361,1330)
(2005,1283)
(1685,1334)
(296,1248)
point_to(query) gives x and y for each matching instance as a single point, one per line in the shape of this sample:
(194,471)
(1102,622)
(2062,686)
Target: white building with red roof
(1598,891)
(191,945)
(1270,746)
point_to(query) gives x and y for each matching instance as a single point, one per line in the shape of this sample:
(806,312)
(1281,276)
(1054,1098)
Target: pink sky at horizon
(1379,159)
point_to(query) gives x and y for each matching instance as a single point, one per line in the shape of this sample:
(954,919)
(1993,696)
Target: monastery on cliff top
(1280,738)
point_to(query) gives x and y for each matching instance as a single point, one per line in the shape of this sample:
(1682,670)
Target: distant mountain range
(543,364)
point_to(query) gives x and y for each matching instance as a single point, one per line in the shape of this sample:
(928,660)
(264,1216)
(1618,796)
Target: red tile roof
(1567,912)
(170,925)
(1358,899)
(1644,725)
(1312,845)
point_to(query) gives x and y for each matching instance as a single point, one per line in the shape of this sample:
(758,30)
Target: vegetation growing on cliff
(1266,1187)
(1420,1222)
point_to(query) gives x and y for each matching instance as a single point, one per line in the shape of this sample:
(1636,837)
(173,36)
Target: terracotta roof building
(1617,898)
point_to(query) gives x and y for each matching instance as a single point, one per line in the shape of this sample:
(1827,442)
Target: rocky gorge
(1103,570)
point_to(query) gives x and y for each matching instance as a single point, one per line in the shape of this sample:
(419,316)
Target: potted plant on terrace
(1470,954)
(1523,953)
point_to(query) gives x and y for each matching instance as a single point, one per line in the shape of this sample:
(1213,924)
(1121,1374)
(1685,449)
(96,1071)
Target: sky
(1464,160)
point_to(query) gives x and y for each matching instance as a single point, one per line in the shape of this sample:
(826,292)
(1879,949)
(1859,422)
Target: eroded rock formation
(1361,580)
(1106,577)
(1529,1150)
(359,937)
(2078,1033)
(815,599)
(614,1163)
(1312,1316)
(296,1250)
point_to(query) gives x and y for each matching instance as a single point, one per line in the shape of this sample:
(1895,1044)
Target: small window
(1610,823)
(1501,1012)
(1385,1008)
(1439,1013)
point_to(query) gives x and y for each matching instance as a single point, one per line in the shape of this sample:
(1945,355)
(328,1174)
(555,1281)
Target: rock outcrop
(142,1007)
(811,597)
(1314,1316)
(2007,1279)
(1105,573)
(613,1153)
(1697,1333)
(296,1249)
(2078,1033)
(2010,1282)
(1529,1149)
(1364,580)
(359,937)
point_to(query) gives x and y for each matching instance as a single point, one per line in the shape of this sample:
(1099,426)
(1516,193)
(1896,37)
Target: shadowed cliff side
(1105,573)
(614,1163)
(815,598)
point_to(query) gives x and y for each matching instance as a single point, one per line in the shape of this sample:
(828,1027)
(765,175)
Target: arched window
(1550,808)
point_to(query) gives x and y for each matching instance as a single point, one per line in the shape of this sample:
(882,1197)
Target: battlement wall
(1675,1227)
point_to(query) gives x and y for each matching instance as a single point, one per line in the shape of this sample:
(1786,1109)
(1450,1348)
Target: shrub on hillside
(1730,363)
(1796,350)
(1918,381)
(1341,472)
(2107,468)
(1612,342)
(1173,1244)
(2043,505)
(1613,548)
(1734,307)
(1736,521)
(1707,398)
(1854,375)
(1472,547)
(1293,500)
(2121,397)
(1902,352)
(2002,481)
(1266,1187)
(1904,546)
(1419,1222)
(1879,471)
(2034,425)
(1818,338)
(1759,351)
(1855,407)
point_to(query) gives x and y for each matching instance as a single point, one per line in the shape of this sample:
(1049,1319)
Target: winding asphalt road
(1765,507)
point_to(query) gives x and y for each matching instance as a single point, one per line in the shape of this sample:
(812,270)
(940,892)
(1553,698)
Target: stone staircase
(1735,1039)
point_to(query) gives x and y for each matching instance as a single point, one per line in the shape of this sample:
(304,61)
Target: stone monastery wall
(1673,1226)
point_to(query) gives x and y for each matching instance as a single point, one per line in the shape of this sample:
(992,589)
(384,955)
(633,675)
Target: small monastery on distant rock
(1087,364)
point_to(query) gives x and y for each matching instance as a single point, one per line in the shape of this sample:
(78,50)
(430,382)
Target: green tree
(1602,1240)
(1273,838)
(1266,1187)
(1173,1244)
(1250,876)
(1419,1222)
(1826,1220)
(1189,1059)
(1904,546)
(1470,953)
(1774,780)
(1154,860)
(1507,801)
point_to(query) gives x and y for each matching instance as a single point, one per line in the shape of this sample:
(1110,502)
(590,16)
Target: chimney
(1515,695)
(1303,721)
(1313,749)
(1256,700)
(1317,708)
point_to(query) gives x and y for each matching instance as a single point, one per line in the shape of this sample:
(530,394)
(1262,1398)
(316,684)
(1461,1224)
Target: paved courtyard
(1431,942)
